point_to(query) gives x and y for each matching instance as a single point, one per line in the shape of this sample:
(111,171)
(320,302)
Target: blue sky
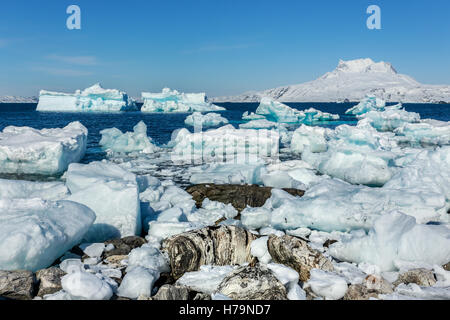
(222,47)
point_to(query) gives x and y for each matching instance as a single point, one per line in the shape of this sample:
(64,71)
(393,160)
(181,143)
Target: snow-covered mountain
(14,99)
(351,81)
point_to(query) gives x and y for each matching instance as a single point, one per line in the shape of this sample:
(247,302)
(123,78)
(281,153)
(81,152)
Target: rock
(240,196)
(381,285)
(297,254)
(421,277)
(253,283)
(116,261)
(217,245)
(49,280)
(123,246)
(199,296)
(171,292)
(360,292)
(17,285)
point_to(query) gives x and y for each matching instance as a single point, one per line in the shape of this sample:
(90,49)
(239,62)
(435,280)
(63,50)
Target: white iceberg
(313,138)
(24,150)
(205,120)
(390,119)
(426,132)
(369,103)
(174,101)
(94,98)
(396,238)
(113,140)
(227,173)
(86,286)
(112,193)
(19,189)
(225,144)
(34,233)
(327,284)
(252,116)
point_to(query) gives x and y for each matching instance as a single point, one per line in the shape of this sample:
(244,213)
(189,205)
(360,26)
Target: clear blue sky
(222,47)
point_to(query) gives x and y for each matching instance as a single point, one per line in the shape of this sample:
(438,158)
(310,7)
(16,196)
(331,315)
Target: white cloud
(77,60)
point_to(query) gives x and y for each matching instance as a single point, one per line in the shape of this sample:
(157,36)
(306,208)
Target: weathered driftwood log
(224,245)
(253,283)
(240,196)
(297,254)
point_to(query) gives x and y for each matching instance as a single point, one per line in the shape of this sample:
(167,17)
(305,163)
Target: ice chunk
(327,284)
(163,230)
(211,212)
(174,101)
(255,218)
(34,233)
(17,189)
(313,138)
(289,278)
(205,120)
(396,237)
(148,257)
(113,140)
(427,132)
(207,279)
(252,116)
(278,112)
(258,249)
(112,193)
(93,250)
(94,98)
(86,286)
(138,282)
(25,150)
(369,103)
(227,173)
(225,144)
(390,119)
(260,124)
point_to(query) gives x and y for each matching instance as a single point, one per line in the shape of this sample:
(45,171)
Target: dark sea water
(161,126)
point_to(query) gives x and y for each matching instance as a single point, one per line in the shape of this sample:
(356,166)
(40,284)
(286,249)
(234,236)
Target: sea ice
(327,284)
(313,138)
(396,237)
(112,193)
(278,112)
(225,144)
(86,286)
(34,233)
(24,150)
(207,279)
(227,173)
(199,120)
(369,103)
(137,282)
(174,101)
(19,189)
(113,140)
(426,132)
(390,119)
(94,98)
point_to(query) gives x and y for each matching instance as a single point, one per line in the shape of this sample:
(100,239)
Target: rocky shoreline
(216,262)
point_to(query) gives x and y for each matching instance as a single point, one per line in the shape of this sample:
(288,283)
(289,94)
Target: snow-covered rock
(24,150)
(205,120)
(112,193)
(94,98)
(174,101)
(34,233)
(113,140)
(352,80)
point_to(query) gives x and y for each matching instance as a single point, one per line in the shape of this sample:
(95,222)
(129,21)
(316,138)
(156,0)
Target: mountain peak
(366,65)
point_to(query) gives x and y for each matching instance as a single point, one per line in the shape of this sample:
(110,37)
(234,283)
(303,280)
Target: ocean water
(161,126)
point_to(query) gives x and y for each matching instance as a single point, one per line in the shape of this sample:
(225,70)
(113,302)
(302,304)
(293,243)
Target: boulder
(420,276)
(253,283)
(17,285)
(360,292)
(172,292)
(217,245)
(123,246)
(49,280)
(240,196)
(297,254)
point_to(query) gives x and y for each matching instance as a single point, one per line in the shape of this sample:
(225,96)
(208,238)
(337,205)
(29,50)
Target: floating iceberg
(25,150)
(174,101)
(207,120)
(396,238)
(112,193)
(276,111)
(225,144)
(94,98)
(369,103)
(34,233)
(113,140)
(390,119)
(252,116)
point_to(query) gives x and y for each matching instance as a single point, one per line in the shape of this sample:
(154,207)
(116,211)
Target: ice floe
(199,120)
